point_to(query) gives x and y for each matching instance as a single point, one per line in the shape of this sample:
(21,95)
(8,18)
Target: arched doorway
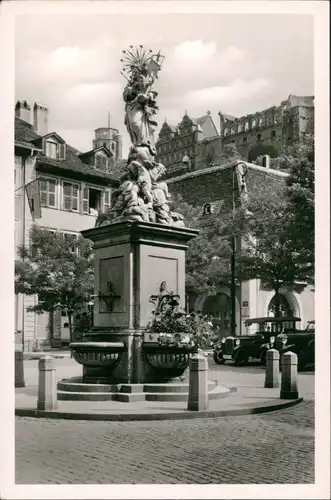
(285,310)
(219,307)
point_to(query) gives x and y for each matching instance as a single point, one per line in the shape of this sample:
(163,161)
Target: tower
(110,138)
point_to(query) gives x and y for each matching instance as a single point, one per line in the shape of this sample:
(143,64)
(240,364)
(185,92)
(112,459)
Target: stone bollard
(19,369)
(272,369)
(289,387)
(198,384)
(47,392)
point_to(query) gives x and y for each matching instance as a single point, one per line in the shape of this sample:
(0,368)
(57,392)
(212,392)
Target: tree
(267,251)
(225,154)
(288,152)
(301,193)
(208,254)
(58,269)
(275,234)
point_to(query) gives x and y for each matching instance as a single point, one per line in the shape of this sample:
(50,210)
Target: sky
(234,63)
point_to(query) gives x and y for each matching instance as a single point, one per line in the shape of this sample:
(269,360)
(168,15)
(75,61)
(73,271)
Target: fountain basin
(97,354)
(168,362)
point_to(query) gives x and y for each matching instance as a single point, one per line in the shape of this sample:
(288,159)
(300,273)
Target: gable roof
(95,150)
(54,134)
(72,165)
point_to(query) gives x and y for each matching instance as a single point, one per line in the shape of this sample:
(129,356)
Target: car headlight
(223,340)
(237,342)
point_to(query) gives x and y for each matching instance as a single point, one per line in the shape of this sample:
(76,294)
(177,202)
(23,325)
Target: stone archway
(290,306)
(219,307)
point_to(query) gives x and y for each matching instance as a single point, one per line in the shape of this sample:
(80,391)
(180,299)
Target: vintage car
(253,346)
(301,343)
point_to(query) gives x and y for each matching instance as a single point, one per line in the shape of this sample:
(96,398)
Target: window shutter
(51,193)
(74,197)
(67,195)
(62,149)
(107,200)
(43,198)
(85,200)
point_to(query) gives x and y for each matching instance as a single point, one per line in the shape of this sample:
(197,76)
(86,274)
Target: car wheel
(218,358)
(241,358)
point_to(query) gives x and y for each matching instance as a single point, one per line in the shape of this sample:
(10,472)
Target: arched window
(219,307)
(239,128)
(285,310)
(246,125)
(207,209)
(232,131)
(226,131)
(254,123)
(260,122)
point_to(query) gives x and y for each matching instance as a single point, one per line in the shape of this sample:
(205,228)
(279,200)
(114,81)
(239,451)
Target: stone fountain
(139,247)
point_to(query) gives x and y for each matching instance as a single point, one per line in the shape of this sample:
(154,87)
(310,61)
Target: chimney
(266,161)
(40,119)
(23,111)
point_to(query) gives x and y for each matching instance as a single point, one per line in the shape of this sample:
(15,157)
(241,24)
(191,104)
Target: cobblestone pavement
(272,448)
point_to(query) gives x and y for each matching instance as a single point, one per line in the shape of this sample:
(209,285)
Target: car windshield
(271,325)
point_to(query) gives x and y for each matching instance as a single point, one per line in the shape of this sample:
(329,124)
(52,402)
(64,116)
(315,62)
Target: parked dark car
(301,343)
(253,346)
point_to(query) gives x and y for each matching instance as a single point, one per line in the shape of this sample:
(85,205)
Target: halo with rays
(139,57)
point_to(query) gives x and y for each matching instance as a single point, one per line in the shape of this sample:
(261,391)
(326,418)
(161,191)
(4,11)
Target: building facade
(265,132)
(183,147)
(211,189)
(73,185)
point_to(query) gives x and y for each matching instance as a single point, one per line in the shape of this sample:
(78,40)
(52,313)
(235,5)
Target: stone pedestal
(19,368)
(272,369)
(289,387)
(198,385)
(47,390)
(132,259)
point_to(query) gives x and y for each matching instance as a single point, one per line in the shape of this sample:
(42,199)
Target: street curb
(29,412)
(33,356)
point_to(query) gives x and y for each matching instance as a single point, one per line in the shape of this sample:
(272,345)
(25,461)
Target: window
(245,140)
(101,162)
(246,126)
(226,131)
(207,209)
(239,128)
(259,136)
(273,134)
(232,131)
(92,199)
(51,149)
(70,196)
(260,122)
(55,150)
(48,192)
(112,146)
(253,123)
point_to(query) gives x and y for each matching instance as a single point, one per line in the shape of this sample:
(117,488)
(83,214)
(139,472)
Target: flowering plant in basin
(177,328)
